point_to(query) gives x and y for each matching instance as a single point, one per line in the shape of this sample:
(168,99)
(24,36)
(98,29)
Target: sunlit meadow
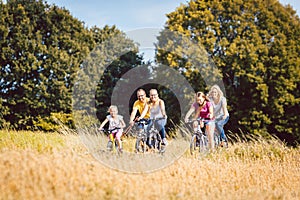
(37,165)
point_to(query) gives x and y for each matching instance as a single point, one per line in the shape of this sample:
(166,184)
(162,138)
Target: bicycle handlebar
(110,130)
(199,120)
(193,120)
(159,118)
(142,121)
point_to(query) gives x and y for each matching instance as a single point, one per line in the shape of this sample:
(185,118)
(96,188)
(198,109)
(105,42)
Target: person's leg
(220,127)
(195,126)
(160,125)
(210,127)
(118,138)
(148,142)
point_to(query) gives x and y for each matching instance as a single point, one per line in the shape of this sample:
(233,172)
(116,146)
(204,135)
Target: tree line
(49,58)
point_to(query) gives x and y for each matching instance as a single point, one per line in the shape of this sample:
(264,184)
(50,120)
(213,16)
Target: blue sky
(141,20)
(128,14)
(125,14)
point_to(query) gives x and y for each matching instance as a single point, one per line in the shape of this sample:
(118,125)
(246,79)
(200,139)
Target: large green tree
(41,49)
(255,45)
(114,55)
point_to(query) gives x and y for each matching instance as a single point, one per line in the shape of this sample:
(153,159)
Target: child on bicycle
(115,121)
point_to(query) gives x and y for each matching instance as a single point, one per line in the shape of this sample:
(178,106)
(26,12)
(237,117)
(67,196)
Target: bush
(55,121)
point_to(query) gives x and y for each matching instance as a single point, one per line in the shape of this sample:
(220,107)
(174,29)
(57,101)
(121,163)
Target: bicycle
(112,142)
(199,140)
(141,136)
(155,140)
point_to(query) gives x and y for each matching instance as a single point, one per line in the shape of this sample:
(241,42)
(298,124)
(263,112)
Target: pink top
(204,113)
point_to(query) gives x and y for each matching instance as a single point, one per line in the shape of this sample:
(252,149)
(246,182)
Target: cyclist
(115,121)
(156,106)
(139,105)
(220,111)
(202,108)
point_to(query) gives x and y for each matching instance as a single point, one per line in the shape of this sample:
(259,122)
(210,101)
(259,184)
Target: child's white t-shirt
(114,123)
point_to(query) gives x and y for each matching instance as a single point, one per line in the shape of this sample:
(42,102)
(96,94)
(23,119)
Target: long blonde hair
(219,91)
(113,107)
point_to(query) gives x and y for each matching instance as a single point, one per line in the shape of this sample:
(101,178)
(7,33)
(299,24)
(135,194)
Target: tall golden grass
(58,166)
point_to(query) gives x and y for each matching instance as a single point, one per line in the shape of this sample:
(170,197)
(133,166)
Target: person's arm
(122,123)
(103,124)
(162,108)
(224,108)
(132,115)
(211,111)
(188,114)
(144,112)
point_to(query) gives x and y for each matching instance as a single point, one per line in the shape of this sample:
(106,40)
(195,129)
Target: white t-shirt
(155,111)
(218,111)
(114,123)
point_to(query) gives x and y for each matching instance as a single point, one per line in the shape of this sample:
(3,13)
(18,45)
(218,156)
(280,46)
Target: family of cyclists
(210,108)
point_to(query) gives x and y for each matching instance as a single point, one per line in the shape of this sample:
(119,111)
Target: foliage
(256,46)
(92,68)
(54,122)
(41,49)
(82,119)
(4,110)
(121,58)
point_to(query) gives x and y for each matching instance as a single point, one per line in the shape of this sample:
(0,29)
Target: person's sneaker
(165,142)
(223,144)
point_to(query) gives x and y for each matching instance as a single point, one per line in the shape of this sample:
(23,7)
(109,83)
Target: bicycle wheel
(159,145)
(140,145)
(153,140)
(144,145)
(141,139)
(109,146)
(203,144)
(217,140)
(194,145)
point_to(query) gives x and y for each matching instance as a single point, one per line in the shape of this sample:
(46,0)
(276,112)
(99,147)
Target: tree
(41,49)
(114,87)
(101,80)
(256,46)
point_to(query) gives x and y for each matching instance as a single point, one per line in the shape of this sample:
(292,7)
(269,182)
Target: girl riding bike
(202,108)
(115,122)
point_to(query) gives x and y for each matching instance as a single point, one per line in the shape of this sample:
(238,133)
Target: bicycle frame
(141,137)
(199,141)
(112,143)
(155,139)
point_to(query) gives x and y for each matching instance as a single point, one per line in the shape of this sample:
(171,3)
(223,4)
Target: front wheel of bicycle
(109,146)
(140,145)
(217,140)
(198,144)
(194,145)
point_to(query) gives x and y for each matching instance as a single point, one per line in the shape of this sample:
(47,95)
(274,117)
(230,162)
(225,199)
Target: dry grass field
(36,165)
